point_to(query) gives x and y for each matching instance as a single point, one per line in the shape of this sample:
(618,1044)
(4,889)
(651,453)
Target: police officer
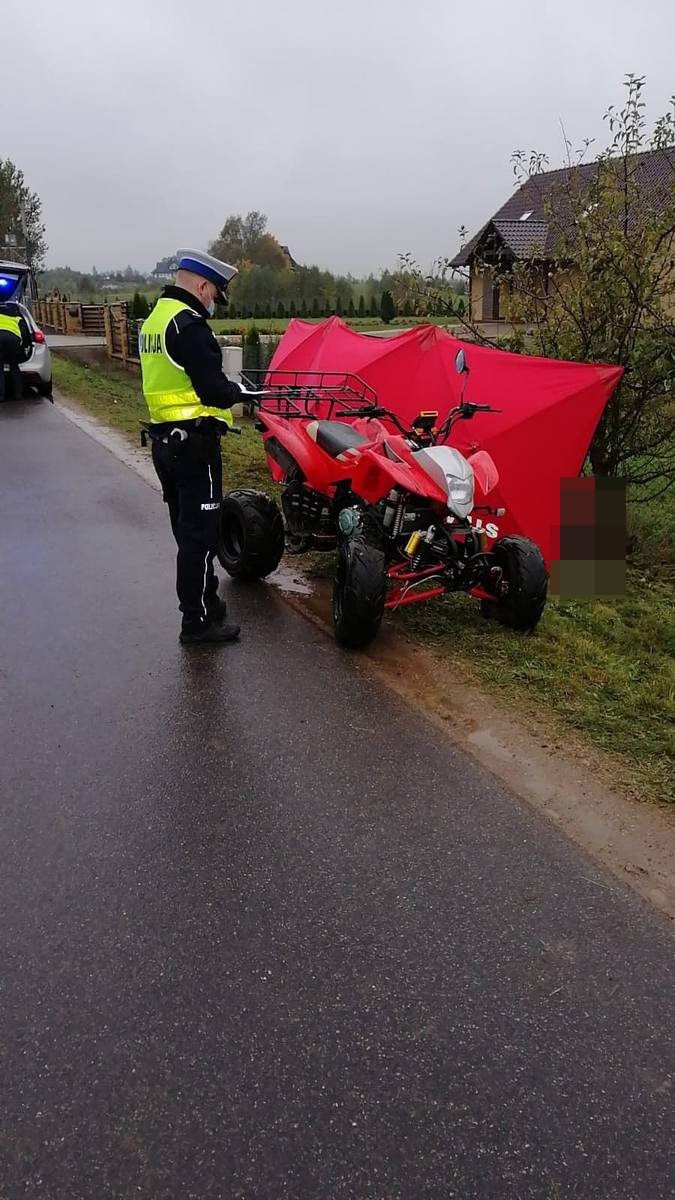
(189,400)
(15,347)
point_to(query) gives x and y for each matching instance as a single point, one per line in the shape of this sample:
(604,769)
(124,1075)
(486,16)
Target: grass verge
(603,667)
(277,325)
(115,397)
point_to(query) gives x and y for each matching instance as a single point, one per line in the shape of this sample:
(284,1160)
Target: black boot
(225,632)
(217,610)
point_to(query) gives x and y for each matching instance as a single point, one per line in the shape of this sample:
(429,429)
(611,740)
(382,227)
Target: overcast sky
(362,128)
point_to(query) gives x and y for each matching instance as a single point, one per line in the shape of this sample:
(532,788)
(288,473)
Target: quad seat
(335,437)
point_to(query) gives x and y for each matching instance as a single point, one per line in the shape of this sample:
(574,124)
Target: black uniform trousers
(11,354)
(190,473)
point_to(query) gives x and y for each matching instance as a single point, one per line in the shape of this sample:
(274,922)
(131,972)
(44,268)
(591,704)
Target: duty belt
(180,431)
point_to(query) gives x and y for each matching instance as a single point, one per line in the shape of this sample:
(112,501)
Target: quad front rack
(309,393)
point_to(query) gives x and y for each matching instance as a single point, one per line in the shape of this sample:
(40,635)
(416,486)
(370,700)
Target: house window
(526,215)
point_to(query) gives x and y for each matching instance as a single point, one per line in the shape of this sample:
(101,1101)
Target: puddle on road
(292,583)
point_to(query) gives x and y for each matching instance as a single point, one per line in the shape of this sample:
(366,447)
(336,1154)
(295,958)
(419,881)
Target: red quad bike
(395,501)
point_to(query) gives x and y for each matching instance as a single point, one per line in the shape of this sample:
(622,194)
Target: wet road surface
(266,934)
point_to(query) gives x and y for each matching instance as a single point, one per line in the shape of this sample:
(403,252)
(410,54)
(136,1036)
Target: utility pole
(28,252)
(11,245)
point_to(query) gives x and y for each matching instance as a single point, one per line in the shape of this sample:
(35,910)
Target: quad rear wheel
(250,534)
(525,582)
(359,592)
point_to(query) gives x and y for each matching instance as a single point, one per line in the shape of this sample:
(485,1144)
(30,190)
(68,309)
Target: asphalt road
(266,934)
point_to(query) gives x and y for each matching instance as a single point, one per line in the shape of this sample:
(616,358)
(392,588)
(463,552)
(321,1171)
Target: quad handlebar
(463,412)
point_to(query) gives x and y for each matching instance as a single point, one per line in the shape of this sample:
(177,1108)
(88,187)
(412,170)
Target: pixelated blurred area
(591,539)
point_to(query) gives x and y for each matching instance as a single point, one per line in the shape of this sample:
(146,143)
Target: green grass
(115,397)
(651,529)
(604,668)
(112,395)
(119,295)
(277,325)
(238,324)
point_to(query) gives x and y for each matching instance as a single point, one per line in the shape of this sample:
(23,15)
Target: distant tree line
(310,292)
(91,285)
(270,284)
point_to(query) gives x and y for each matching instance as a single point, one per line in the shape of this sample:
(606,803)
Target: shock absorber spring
(390,511)
(429,539)
(418,545)
(398,519)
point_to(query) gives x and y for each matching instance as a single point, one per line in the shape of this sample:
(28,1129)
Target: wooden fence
(121,335)
(109,321)
(61,316)
(112,322)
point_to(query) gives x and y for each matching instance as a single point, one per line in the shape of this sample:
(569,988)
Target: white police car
(36,371)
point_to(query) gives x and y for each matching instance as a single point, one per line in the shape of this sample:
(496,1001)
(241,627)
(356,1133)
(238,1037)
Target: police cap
(208,267)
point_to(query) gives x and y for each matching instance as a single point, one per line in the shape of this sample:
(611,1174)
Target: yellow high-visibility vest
(168,391)
(10,325)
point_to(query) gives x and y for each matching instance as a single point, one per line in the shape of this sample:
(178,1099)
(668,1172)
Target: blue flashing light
(9,284)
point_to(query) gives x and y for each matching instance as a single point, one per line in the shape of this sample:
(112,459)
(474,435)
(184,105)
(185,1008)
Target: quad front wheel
(525,583)
(250,534)
(359,592)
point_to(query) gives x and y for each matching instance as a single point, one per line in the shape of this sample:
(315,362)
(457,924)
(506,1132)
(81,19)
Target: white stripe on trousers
(206,567)
(206,558)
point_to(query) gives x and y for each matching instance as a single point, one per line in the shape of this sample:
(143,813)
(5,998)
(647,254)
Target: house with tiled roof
(537,221)
(166,268)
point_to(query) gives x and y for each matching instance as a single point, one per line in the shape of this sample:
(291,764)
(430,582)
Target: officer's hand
(252,391)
